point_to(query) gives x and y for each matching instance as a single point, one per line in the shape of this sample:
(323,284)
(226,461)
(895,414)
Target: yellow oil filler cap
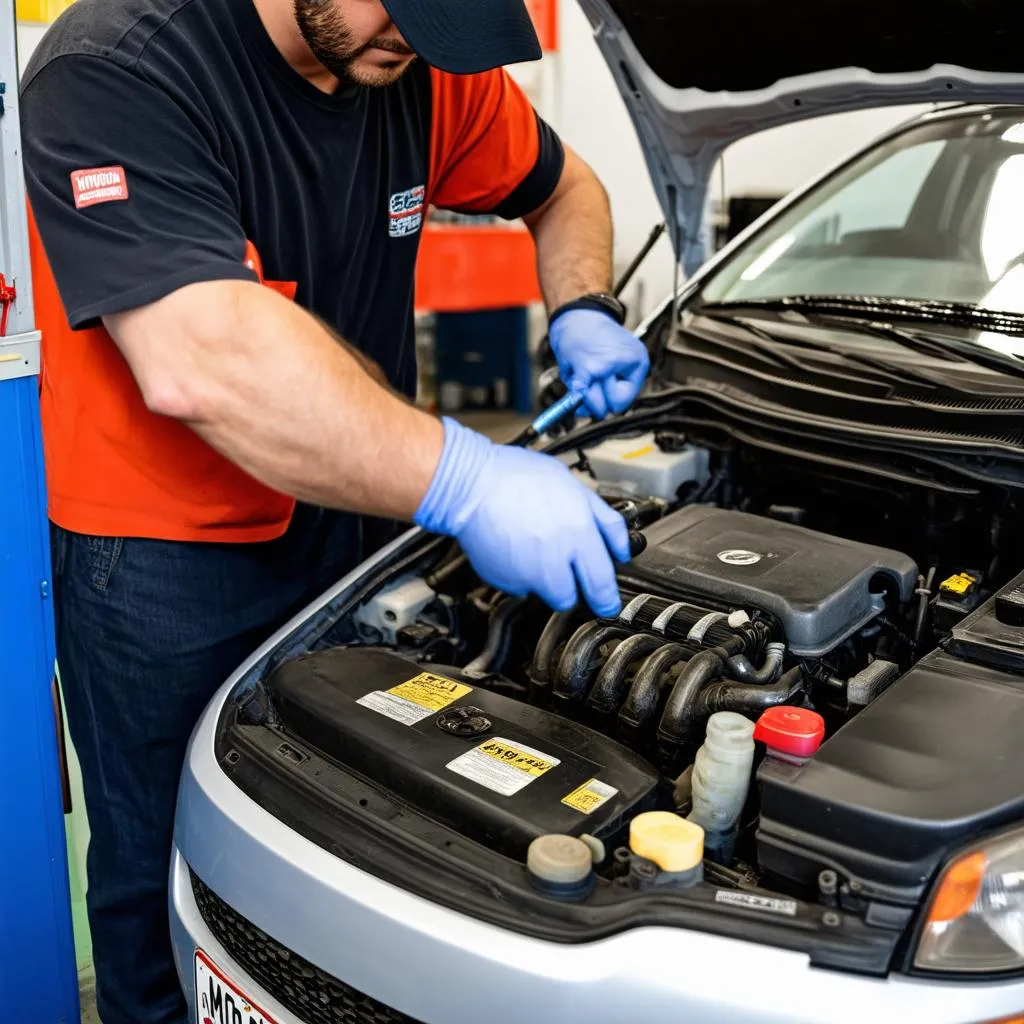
(671,842)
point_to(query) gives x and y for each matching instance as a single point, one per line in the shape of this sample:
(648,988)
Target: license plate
(220,1001)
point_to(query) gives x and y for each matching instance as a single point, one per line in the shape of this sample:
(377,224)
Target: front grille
(311,994)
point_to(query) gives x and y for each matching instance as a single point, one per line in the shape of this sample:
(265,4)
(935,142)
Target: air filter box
(498,770)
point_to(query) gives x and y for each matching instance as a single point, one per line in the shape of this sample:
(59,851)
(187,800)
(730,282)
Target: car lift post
(38,979)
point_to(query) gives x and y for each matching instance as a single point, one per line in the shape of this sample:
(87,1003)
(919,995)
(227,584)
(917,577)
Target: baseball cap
(464,37)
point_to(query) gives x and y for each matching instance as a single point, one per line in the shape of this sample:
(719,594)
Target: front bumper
(439,966)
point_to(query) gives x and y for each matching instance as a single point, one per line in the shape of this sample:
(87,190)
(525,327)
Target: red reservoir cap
(795,731)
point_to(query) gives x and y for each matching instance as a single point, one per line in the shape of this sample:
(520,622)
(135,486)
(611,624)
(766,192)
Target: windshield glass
(936,213)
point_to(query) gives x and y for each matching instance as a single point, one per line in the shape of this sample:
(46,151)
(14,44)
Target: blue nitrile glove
(525,523)
(596,354)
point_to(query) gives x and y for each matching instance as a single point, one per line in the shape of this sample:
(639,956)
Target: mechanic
(226,199)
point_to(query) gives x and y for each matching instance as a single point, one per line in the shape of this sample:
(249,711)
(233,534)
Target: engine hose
(740,668)
(558,627)
(682,709)
(748,698)
(492,657)
(609,689)
(642,703)
(577,661)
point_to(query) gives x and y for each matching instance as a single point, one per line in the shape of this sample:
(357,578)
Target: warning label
(589,796)
(419,698)
(501,766)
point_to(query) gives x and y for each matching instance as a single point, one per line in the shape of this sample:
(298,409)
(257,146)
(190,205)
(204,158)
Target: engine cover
(822,588)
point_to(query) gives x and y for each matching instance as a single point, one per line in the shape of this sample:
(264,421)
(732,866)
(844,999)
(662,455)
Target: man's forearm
(265,384)
(573,234)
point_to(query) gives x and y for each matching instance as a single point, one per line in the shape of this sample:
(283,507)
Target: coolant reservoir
(639,466)
(721,776)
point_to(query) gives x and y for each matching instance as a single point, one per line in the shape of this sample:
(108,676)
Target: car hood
(697,75)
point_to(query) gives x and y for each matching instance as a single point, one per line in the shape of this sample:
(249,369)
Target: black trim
(540,182)
(313,995)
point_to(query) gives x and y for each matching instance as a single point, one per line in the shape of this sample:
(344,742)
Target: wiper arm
(876,316)
(772,345)
(960,314)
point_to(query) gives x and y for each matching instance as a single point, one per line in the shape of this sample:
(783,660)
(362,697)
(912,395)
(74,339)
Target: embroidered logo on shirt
(98,185)
(405,212)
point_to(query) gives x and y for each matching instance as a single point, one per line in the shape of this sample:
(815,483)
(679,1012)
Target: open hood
(697,75)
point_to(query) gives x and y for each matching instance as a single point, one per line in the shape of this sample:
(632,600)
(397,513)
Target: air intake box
(498,770)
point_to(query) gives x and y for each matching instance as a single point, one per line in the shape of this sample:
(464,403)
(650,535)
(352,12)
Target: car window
(935,212)
(881,198)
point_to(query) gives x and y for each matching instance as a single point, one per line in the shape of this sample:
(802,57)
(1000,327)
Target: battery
(499,771)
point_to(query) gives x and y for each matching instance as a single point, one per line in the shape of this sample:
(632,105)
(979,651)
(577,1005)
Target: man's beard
(330,41)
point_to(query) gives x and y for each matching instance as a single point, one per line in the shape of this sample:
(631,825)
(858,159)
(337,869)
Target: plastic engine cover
(502,773)
(822,588)
(935,761)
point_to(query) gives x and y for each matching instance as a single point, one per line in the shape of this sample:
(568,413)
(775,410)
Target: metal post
(38,980)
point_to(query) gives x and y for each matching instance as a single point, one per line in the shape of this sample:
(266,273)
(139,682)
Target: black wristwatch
(603,302)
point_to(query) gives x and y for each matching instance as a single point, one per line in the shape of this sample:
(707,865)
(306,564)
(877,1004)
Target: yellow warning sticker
(503,767)
(417,698)
(431,691)
(637,453)
(525,760)
(590,796)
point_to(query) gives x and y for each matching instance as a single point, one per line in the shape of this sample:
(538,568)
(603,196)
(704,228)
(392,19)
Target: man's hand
(573,232)
(599,357)
(525,523)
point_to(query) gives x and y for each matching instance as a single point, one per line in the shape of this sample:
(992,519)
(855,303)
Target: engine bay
(761,727)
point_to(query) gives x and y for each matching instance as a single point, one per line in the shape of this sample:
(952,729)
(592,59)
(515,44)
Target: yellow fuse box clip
(960,585)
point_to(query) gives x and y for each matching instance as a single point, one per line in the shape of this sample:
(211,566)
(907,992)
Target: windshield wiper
(770,344)
(959,314)
(876,315)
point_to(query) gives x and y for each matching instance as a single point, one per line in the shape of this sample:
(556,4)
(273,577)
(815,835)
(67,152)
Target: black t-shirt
(163,136)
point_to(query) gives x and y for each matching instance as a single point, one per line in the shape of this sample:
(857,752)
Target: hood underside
(697,75)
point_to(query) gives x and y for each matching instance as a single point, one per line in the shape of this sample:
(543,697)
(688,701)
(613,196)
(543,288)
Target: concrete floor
(87,997)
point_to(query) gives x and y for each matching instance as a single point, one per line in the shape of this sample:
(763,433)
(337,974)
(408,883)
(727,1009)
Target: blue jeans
(146,632)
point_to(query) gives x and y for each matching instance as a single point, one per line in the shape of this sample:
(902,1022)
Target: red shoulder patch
(94,185)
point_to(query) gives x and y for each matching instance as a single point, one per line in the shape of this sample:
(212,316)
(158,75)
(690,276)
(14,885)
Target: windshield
(936,213)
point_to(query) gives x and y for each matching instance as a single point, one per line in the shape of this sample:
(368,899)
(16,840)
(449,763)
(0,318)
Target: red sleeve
(489,151)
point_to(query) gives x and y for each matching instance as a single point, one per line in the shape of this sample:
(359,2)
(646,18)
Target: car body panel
(683,130)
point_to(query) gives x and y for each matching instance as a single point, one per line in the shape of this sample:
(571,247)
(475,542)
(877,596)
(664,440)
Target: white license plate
(220,1001)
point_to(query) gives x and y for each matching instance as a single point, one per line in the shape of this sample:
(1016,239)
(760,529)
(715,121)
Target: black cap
(466,36)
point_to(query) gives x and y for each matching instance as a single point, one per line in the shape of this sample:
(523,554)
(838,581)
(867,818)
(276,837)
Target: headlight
(976,918)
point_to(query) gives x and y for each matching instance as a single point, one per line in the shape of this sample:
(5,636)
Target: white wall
(28,38)
(590,116)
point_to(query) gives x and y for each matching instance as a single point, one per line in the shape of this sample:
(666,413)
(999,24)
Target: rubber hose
(681,711)
(747,698)
(642,703)
(609,689)
(577,661)
(553,635)
(492,657)
(442,575)
(740,668)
